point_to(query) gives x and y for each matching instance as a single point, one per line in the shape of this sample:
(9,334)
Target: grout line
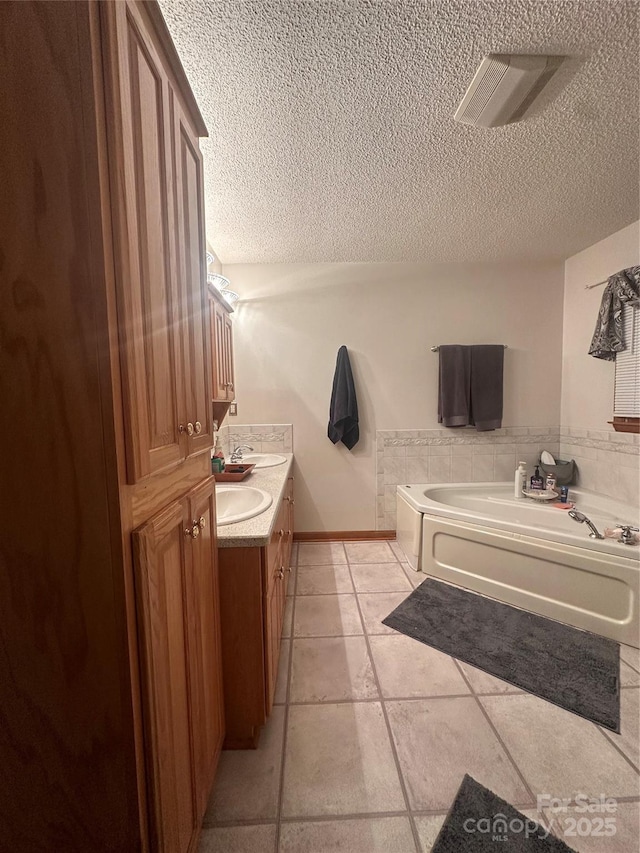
(286,707)
(328,818)
(356,592)
(321,636)
(616,747)
(497,733)
(227,824)
(394,752)
(631,666)
(420,698)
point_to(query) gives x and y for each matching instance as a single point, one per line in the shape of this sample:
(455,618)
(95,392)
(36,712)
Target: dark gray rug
(481,822)
(574,669)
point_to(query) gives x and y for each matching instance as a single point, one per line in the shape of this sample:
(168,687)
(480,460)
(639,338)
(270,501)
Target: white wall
(293,318)
(608,461)
(587,382)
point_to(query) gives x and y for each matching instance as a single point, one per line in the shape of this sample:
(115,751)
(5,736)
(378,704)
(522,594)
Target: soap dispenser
(521,479)
(537,483)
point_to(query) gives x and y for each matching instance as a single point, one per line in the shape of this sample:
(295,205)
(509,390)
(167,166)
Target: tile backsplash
(264,438)
(446,456)
(608,462)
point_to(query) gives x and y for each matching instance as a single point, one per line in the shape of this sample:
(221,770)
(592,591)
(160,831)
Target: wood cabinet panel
(228,358)
(178,606)
(205,654)
(190,253)
(147,299)
(94,621)
(243,644)
(253,584)
(161,590)
(221,332)
(67,748)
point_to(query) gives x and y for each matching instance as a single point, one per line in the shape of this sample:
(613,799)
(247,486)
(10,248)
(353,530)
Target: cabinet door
(221,341)
(205,654)
(228,358)
(288,543)
(273,632)
(161,550)
(189,245)
(141,171)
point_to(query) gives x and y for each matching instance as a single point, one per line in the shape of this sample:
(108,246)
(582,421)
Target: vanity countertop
(256,531)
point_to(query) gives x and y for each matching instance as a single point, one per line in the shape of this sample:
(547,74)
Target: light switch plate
(233,410)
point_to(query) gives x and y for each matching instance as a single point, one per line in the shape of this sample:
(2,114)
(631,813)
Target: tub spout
(582,519)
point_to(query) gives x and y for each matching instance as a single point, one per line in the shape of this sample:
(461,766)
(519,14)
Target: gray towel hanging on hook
(343,411)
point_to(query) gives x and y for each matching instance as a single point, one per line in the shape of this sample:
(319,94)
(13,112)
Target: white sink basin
(238,503)
(264,460)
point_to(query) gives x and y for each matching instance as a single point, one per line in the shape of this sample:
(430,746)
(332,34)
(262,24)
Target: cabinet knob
(202,522)
(281,572)
(281,533)
(192,532)
(289,569)
(197,427)
(189,428)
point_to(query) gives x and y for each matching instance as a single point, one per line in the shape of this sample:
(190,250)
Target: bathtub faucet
(582,519)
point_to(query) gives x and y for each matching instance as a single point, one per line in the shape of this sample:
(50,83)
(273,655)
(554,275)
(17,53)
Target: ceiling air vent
(504,86)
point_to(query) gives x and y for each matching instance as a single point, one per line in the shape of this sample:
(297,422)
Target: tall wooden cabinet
(112,711)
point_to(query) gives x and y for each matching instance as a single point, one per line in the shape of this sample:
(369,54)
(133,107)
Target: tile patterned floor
(372,732)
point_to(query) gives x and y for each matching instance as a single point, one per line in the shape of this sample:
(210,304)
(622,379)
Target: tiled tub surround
(608,462)
(264,438)
(372,731)
(453,456)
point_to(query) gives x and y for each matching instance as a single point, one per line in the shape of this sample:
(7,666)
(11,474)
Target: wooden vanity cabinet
(253,589)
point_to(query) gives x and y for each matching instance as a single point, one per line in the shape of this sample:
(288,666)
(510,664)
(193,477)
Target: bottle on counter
(551,481)
(217,460)
(537,483)
(520,480)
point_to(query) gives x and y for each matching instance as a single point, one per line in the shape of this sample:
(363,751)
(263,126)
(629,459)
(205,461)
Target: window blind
(626,398)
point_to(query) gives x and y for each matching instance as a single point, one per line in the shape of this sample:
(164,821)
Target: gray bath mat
(574,669)
(481,822)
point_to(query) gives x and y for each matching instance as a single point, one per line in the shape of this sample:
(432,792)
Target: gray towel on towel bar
(470,384)
(487,368)
(454,385)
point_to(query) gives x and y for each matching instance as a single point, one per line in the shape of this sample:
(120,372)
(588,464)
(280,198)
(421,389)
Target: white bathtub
(478,536)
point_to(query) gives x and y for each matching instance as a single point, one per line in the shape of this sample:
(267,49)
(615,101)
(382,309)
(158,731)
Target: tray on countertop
(234,472)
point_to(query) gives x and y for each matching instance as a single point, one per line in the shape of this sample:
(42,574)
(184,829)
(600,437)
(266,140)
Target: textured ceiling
(332,135)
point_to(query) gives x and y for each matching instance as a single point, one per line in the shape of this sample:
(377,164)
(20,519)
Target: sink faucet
(236,453)
(582,519)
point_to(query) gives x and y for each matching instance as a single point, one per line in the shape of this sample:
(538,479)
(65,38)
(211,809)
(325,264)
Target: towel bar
(435,349)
